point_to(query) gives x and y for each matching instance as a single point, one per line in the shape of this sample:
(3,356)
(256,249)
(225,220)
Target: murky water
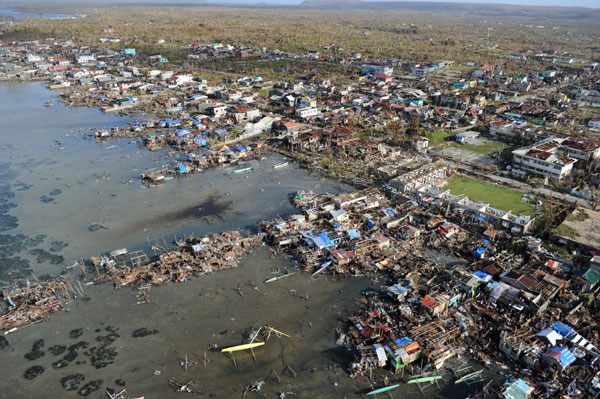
(64,196)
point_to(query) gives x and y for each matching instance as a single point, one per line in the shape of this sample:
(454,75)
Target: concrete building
(544,159)
(376,69)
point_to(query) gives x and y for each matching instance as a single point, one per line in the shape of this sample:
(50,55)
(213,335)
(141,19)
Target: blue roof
(182,168)
(482,275)
(517,390)
(479,251)
(402,342)
(339,212)
(240,148)
(565,358)
(325,238)
(390,212)
(563,329)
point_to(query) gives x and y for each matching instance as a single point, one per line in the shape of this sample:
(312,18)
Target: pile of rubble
(192,256)
(29,302)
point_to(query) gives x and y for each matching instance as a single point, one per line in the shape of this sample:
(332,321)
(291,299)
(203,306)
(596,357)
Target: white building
(376,69)
(31,58)
(85,58)
(594,124)
(307,112)
(583,150)
(544,159)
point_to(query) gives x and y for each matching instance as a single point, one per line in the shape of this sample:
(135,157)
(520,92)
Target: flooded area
(65,196)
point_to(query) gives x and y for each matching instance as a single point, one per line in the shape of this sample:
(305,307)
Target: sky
(567,3)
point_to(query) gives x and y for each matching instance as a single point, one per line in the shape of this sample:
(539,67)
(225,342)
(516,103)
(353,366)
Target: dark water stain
(76,333)
(143,332)
(90,387)
(71,382)
(57,246)
(36,350)
(43,256)
(33,372)
(45,199)
(120,382)
(55,192)
(96,226)
(210,208)
(57,349)
(3,342)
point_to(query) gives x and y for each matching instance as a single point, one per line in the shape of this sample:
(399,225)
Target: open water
(6,12)
(65,196)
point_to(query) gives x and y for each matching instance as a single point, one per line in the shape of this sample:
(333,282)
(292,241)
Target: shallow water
(64,196)
(70,196)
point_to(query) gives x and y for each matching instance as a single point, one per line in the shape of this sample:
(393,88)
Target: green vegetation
(566,231)
(437,137)
(485,147)
(462,68)
(498,197)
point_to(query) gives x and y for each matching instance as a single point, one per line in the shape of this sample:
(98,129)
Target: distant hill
(482,10)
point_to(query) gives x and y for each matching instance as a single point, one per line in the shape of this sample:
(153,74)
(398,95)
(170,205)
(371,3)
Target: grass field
(486,147)
(498,197)
(437,137)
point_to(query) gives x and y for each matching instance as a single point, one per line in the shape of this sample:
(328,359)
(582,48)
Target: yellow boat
(242,347)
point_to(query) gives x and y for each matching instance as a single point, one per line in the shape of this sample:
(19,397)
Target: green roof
(592,276)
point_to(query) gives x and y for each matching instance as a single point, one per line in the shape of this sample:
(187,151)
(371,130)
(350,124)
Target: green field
(486,147)
(437,137)
(498,197)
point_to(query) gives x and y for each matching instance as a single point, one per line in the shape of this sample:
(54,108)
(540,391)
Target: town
(474,200)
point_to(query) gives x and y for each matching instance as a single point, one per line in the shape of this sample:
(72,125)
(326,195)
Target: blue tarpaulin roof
(565,356)
(390,212)
(517,390)
(325,238)
(479,251)
(482,275)
(563,329)
(396,289)
(240,148)
(182,168)
(402,342)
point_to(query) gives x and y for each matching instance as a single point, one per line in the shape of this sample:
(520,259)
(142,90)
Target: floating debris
(3,342)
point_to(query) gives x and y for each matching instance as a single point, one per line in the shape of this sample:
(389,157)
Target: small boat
(384,389)
(275,278)
(281,165)
(242,347)
(425,379)
(242,170)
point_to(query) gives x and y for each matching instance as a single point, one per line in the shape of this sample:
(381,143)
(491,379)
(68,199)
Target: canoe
(280,165)
(425,379)
(384,389)
(242,347)
(242,170)
(275,278)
